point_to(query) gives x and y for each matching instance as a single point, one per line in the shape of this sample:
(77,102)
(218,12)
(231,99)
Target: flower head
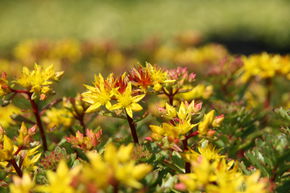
(39,80)
(59,181)
(5,115)
(179,121)
(158,76)
(128,101)
(115,167)
(22,185)
(101,93)
(265,66)
(211,172)
(209,120)
(56,117)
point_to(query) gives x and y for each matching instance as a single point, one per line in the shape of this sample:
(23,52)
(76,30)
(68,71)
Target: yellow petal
(93,107)
(136,107)
(129,112)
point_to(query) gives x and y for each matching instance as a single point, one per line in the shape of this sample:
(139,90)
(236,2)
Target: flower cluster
(79,139)
(18,155)
(119,93)
(39,80)
(179,121)
(212,172)
(57,117)
(265,66)
(116,168)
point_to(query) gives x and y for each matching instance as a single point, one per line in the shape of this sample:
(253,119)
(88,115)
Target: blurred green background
(242,25)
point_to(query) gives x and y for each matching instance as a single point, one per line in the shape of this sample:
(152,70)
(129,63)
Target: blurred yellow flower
(196,92)
(265,66)
(115,167)
(209,120)
(58,117)
(211,172)
(5,115)
(22,185)
(59,181)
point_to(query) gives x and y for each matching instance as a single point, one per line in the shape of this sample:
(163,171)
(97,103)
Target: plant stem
(116,188)
(38,121)
(36,113)
(82,123)
(267,101)
(171,99)
(80,116)
(185,148)
(133,129)
(16,167)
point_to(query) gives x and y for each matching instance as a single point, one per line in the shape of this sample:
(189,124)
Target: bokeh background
(245,26)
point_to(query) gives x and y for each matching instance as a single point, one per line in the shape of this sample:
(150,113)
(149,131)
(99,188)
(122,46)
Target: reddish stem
(16,167)
(185,148)
(116,188)
(133,129)
(18,150)
(36,113)
(267,102)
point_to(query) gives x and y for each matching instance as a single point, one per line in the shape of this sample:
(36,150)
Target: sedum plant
(203,121)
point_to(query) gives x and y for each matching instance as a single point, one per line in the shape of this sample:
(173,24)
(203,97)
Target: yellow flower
(199,91)
(66,50)
(30,158)
(200,176)
(25,135)
(180,121)
(127,101)
(76,105)
(207,54)
(22,185)
(39,80)
(115,167)
(208,152)
(59,181)
(58,117)
(265,66)
(211,172)
(5,115)
(158,76)
(204,125)
(254,184)
(99,94)
(6,149)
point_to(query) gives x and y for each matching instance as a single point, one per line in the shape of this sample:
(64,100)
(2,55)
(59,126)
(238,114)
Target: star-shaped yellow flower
(127,101)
